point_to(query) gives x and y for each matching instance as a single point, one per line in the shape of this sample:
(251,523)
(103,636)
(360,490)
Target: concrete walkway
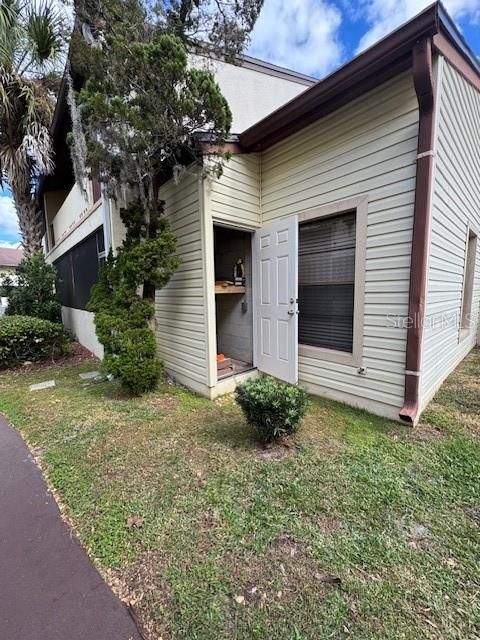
(49,589)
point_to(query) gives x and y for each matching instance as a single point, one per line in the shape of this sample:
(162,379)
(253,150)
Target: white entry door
(275,299)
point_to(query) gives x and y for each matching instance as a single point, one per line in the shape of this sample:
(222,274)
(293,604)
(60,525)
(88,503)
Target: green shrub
(123,298)
(274,409)
(24,338)
(135,363)
(34,291)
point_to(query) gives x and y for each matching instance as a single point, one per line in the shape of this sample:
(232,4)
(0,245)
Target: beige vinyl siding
(180,306)
(456,205)
(235,196)
(367,147)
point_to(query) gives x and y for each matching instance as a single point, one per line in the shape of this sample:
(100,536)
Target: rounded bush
(25,338)
(272,408)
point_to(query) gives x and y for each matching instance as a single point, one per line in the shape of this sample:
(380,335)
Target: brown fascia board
(384,60)
(443,45)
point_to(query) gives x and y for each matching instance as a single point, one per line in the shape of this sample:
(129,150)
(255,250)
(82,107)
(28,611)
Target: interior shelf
(228,288)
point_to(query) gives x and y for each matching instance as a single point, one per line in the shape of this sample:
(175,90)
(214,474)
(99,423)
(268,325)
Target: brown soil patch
(78,355)
(284,546)
(284,448)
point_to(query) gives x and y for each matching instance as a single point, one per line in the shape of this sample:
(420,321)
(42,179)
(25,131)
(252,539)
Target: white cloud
(298,34)
(8,217)
(384,16)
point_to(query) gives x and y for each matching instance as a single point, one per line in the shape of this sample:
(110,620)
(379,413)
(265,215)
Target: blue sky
(315,37)
(9,236)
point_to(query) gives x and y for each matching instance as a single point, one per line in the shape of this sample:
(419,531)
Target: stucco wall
(251,93)
(81,324)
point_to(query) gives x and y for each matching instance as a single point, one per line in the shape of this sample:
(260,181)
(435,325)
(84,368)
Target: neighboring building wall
(456,205)
(253,90)
(367,147)
(181,314)
(235,197)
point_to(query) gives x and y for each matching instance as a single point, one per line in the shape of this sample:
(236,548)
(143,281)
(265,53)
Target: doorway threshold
(237,366)
(228,383)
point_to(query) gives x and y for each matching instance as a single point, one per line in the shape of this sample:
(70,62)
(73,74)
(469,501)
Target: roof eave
(448,28)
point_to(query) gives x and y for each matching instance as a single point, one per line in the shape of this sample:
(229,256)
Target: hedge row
(24,338)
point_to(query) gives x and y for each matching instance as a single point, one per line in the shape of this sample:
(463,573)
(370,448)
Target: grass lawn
(365,529)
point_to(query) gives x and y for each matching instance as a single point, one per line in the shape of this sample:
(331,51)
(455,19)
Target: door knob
(291,312)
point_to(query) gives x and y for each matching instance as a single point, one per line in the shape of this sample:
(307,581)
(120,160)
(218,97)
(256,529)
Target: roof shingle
(10,257)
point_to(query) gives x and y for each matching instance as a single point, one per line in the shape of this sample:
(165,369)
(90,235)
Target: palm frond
(45,31)
(10,29)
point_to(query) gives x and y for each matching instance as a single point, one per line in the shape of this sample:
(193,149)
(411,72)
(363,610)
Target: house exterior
(81,225)
(354,210)
(9,261)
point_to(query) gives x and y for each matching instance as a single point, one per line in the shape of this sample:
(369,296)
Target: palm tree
(32,48)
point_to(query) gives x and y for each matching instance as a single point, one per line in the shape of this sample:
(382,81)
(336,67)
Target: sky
(315,37)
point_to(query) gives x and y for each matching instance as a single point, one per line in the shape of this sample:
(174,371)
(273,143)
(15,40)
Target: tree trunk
(29,222)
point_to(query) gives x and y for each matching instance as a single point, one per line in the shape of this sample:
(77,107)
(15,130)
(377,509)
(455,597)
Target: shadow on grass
(227,427)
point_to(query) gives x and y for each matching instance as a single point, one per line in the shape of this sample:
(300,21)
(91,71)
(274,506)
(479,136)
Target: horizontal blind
(326,282)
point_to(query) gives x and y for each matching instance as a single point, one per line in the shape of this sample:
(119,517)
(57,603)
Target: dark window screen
(77,271)
(326,282)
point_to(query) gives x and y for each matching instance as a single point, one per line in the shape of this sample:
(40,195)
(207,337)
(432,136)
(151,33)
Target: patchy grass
(366,529)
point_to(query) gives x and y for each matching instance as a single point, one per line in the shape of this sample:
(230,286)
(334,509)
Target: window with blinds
(326,282)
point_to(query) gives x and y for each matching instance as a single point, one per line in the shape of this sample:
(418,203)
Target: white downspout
(107,221)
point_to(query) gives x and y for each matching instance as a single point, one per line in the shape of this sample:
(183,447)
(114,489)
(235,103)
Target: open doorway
(233,301)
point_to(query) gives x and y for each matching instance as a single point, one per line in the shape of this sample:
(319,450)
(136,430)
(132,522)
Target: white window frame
(360,206)
(468,281)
